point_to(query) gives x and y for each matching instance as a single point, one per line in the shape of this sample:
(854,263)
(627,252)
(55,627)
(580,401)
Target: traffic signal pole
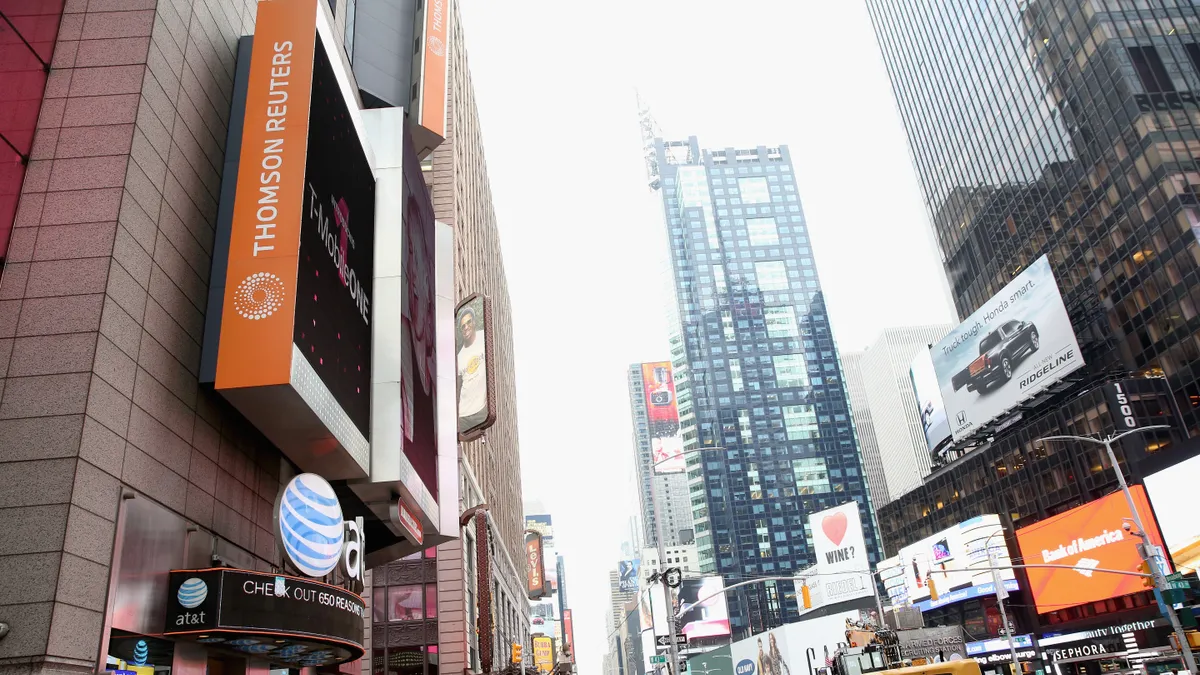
(1147,548)
(673,667)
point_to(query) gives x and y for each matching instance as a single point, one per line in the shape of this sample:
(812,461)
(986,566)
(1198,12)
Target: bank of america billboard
(662,412)
(1014,346)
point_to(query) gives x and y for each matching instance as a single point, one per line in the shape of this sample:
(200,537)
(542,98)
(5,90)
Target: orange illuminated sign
(433,76)
(260,281)
(1089,538)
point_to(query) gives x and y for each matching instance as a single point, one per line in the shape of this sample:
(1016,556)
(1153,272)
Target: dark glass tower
(1067,128)
(761,370)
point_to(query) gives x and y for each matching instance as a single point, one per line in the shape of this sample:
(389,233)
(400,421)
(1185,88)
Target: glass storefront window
(405,603)
(431,601)
(406,661)
(378,606)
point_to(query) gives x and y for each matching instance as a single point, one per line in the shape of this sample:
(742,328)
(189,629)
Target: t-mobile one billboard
(294,354)
(662,412)
(1088,539)
(1014,346)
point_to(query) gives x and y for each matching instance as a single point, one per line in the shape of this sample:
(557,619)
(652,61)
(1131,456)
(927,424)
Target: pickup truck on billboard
(999,351)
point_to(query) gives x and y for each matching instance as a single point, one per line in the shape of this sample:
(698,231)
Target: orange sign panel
(260,281)
(433,77)
(1088,538)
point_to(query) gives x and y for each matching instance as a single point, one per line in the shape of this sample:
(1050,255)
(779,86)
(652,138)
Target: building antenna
(650,131)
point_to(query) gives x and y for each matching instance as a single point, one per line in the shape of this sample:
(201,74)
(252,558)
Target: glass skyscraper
(762,380)
(1067,128)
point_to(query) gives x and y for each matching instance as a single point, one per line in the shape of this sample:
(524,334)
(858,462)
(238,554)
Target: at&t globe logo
(310,524)
(192,593)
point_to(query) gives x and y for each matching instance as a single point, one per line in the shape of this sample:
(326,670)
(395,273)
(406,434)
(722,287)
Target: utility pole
(1147,548)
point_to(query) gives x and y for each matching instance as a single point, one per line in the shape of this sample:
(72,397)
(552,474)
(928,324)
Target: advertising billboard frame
(1169,497)
(250,351)
(473,426)
(1103,544)
(713,619)
(535,572)
(662,417)
(957,557)
(1016,345)
(843,563)
(931,409)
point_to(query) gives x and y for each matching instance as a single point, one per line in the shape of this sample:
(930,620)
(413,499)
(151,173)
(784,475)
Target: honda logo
(962,417)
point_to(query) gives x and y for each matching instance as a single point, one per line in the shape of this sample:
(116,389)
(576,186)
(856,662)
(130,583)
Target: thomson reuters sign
(1088,539)
(294,354)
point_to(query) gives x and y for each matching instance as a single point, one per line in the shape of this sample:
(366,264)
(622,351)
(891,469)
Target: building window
(772,276)
(790,371)
(754,190)
(1150,70)
(800,421)
(406,603)
(781,322)
(762,231)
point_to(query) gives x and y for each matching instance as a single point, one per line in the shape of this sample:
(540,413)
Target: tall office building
(671,489)
(386,33)
(864,428)
(1067,128)
(765,384)
(896,416)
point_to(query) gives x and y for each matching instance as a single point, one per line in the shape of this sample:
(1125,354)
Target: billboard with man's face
(472,347)
(1014,346)
(662,412)
(627,575)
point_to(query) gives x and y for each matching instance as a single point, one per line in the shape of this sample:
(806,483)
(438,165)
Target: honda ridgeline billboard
(1014,346)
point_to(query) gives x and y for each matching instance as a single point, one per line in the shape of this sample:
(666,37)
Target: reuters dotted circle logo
(258,296)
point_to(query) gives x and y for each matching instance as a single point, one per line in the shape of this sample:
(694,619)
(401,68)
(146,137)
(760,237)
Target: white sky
(583,239)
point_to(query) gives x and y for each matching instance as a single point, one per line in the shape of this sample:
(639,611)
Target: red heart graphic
(834,526)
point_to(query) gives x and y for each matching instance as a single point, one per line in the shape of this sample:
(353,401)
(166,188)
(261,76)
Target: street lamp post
(1156,574)
(1001,594)
(662,555)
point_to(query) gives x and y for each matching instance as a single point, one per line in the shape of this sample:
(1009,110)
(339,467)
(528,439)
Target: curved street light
(1185,650)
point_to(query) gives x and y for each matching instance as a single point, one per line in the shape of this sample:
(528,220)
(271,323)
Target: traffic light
(806,596)
(933,594)
(1144,568)
(516,652)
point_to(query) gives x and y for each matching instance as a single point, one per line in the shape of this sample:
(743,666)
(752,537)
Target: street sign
(1177,582)
(658,658)
(681,639)
(682,666)
(662,641)
(674,576)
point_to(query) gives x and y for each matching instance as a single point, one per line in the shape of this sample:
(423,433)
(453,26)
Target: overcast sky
(583,238)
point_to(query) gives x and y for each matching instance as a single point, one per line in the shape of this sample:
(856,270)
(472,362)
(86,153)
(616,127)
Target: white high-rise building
(892,405)
(674,501)
(864,428)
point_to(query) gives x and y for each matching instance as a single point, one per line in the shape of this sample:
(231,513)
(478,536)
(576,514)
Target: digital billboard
(627,575)
(842,561)
(791,648)
(476,374)
(662,413)
(1086,538)
(290,321)
(332,328)
(700,617)
(1172,494)
(1014,346)
(930,407)
(956,559)
(418,333)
